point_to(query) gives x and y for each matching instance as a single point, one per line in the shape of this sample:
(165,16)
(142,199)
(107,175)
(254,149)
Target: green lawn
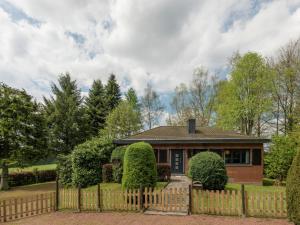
(31,168)
(255,188)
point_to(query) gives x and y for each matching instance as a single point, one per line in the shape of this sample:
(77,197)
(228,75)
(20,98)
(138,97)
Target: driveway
(68,218)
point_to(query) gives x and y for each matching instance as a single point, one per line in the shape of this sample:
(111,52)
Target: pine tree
(66,116)
(96,107)
(113,93)
(132,98)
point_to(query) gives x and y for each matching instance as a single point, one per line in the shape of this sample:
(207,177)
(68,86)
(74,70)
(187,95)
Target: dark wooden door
(177,161)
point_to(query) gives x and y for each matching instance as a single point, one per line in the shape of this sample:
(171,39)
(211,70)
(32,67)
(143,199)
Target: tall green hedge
(209,169)
(293,190)
(139,166)
(117,158)
(64,169)
(88,159)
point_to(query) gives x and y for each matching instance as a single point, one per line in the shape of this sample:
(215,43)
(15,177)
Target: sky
(140,41)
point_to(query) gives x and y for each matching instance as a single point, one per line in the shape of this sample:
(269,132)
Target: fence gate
(167,200)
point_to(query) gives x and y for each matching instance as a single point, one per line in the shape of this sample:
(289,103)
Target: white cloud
(138,40)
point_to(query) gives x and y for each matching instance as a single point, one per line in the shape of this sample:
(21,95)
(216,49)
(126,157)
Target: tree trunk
(4,177)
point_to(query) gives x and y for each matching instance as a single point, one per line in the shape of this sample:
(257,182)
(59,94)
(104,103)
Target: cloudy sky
(138,40)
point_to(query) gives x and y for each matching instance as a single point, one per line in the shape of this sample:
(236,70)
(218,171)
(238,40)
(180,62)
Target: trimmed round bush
(209,169)
(139,166)
(88,159)
(64,169)
(117,158)
(293,190)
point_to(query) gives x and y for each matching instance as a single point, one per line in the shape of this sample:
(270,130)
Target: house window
(256,157)
(156,154)
(163,156)
(192,152)
(218,151)
(237,156)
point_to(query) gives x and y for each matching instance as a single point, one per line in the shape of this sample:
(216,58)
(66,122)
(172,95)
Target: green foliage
(96,108)
(117,158)
(22,130)
(131,98)
(66,116)
(293,190)
(139,166)
(246,97)
(280,157)
(164,172)
(123,121)
(88,159)
(113,93)
(64,169)
(107,173)
(209,169)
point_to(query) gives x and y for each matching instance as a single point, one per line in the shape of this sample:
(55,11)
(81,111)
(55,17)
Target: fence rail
(16,208)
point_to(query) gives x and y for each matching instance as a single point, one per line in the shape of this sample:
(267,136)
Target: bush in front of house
(26,178)
(293,190)
(139,166)
(117,158)
(107,173)
(163,172)
(88,159)
(64,170)
(209,169)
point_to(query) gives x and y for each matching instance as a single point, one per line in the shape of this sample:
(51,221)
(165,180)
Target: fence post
(4,210)
(98,197)
(79,199)
(141,199)
(244,196)
(190,199)
(57,194)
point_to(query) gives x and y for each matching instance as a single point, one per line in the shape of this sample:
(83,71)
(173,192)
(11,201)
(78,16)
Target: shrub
(64,169)
(26,178)
(293,190)
(279,159)
(139,166)
(117,158)
(87,161)
(163,172)
(107,173)
(209,169)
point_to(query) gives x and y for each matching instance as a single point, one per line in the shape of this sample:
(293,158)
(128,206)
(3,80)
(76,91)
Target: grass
(255,188)
(31,168)
(118,187)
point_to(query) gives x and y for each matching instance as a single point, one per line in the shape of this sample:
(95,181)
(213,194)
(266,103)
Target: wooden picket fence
(17,208)
(169,200)
(256,204)
(99,200)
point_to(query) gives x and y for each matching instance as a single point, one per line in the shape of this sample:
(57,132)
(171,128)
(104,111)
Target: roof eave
(195,141)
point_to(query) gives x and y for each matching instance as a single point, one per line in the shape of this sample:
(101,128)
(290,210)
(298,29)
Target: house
(175,145)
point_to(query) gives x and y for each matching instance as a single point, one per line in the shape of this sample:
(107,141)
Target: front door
(177,161)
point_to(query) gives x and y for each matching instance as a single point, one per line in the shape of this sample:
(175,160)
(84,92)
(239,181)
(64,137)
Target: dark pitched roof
(179,134)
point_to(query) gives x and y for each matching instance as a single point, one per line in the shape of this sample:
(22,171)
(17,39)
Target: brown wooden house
(175,145)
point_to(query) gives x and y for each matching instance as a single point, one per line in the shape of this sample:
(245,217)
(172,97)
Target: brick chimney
(191,125)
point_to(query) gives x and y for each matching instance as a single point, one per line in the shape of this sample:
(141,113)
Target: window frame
(249,163)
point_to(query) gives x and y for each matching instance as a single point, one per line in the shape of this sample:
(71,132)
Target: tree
(280,157)
(293,190)
(123,121)
(66,117)
(132,98)
(22,130)
(286,84)
(113,93)
(152,108)
(196,101)
(246,98)
(96,108)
